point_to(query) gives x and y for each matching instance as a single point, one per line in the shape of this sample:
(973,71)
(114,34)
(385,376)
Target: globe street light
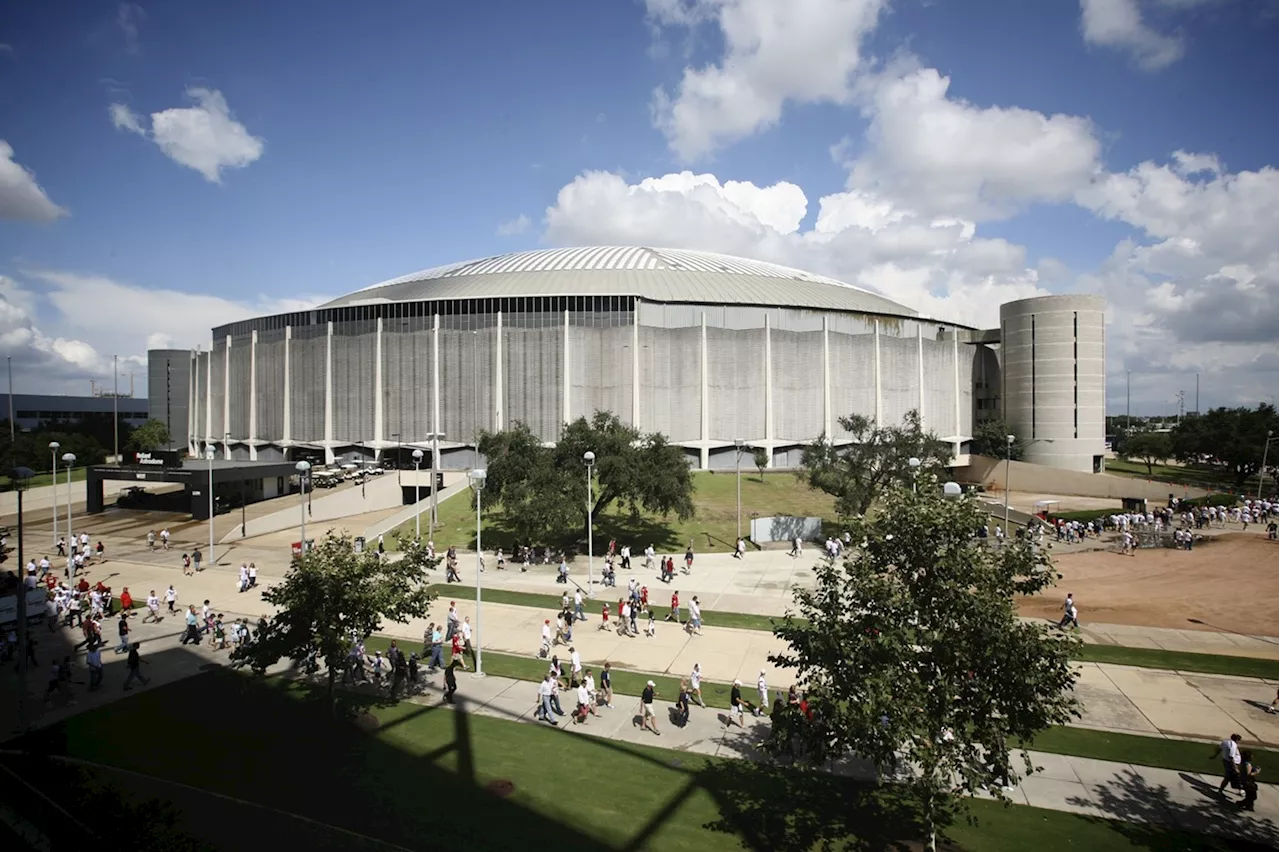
(53,451)
(21,480)
(914,464)
(951,490)
(69,459)
(417,494)
(477,478)
(589,459)
(304,472)
(1008,463)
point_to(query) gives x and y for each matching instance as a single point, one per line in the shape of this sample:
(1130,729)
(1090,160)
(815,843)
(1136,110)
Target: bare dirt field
(1229,583)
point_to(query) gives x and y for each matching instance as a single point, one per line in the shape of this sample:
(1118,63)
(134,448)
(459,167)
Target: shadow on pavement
(1138,810)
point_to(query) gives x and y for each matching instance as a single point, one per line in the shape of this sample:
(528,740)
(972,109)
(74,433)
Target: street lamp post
(737,445)
(53,451)
(914,464)
(69,460)
(304,470)
(589,459)
(1008,462)
(417,494)
(435,466)
(477,478)
(21,480)
(209,453)
(1262,471)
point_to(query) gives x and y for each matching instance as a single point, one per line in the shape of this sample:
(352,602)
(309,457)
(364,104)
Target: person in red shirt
(644,597)
(457,648)
(82,586)
(604,617)
(126,600)
(674,615)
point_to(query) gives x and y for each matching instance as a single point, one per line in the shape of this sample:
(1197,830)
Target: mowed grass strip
(658,597)
(1134,749)
(488,780)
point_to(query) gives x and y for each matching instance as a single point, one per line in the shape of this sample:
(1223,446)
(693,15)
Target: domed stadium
(709,350)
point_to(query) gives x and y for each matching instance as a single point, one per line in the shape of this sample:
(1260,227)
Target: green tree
(1150,448)
(991,439)
(543,490)
(149,436)
(1228,439)
(911,650)
(334,595)
(761,460)
(877,456)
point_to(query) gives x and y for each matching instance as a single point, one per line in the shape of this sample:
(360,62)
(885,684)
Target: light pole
(435,466)
(304,472)
(1262,471)
(914,464)
(417,494)
(22,479)
(1008,462)
(53,451)
(209,453)
(737,445)
(69,460)
(477,477)
(589,459)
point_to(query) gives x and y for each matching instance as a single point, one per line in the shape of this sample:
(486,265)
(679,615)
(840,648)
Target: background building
(169,389)
(704,348)
(31,409)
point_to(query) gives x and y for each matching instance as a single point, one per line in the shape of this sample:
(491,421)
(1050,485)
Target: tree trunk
(931,828)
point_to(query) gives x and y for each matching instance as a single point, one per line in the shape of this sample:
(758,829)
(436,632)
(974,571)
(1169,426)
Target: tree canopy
(991,439)
(877,456)
(910,649)
(332,596)
(543,490)
(1229,439)
(149,436)
(1150,448)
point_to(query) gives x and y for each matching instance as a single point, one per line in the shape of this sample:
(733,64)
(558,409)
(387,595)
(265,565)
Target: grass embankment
(77,475)
(712,530)
(492,784)
(1176,474)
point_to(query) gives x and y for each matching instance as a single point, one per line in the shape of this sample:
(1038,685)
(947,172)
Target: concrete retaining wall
(1036,478)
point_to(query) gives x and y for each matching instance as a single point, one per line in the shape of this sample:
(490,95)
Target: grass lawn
(712,530)
(77,475)
(741,620)
(1178,474)
(427,778)
(1151,658)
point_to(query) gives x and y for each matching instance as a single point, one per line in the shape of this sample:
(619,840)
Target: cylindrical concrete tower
(1054,378)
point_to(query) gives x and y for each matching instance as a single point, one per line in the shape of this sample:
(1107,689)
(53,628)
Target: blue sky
(399,139)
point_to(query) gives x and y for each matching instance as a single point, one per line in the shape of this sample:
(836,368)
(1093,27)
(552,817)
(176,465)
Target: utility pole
(9,360)
(1128,383)
(115,404)
(1197,394)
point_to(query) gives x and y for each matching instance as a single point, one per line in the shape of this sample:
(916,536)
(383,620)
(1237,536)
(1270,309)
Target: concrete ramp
(380,492)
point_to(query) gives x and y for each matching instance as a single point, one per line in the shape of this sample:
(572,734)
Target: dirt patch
(1227,584)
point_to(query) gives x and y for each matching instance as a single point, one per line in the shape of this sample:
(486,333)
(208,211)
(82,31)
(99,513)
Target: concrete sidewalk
(1093,787)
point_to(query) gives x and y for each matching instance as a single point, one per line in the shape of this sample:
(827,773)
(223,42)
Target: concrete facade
(1054,379)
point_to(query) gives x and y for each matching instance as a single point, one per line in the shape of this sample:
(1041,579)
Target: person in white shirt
(153,608)
(694,624)
(546,638)
(93,659)
(740,549)
(466,640)
(451,621)
(164,538)
(244,577)
(590,683)
(1229,751)
(45,565)
(577,606)
(545,691)
(649,553)
(575,660)
(763,688)
(624,623)
(695,684)
(253,575)
(584,705)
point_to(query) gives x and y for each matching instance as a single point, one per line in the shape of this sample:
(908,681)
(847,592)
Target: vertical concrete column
(768,386)
(497,378)
(567,386)
(328,393)
(193,392)
(377,390)
(635,369)
(920,372)
(226,400)
(286,428)
(828,425)
(435,387)
(955,367)
(253,396)
(705,452)
(879,399)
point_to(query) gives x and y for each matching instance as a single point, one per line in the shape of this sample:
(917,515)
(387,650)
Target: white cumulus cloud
(1118,24)
(21,197)
(802,51)
(205,137)
(514,227)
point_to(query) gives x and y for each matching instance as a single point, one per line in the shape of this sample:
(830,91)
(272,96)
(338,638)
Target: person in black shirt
(451,680)
(735,704)
(135,667)
(647,717)
(682,704)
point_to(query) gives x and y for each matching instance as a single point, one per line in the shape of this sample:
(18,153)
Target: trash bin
(359,544)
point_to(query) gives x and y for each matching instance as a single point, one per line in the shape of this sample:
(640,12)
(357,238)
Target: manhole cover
(501,788)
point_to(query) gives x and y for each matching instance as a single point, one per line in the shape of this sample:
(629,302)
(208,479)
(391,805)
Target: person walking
(192,633)
(467,649)
(648,718)
(135,664)
(123,628)
(451,680)
(196,557)
(437,650)
(695,684)
(577,605)
(694,624)
(674,615)
(1248,780)
(763,688)
(93,659)
(735,705)
(545,691)
(1229,752)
